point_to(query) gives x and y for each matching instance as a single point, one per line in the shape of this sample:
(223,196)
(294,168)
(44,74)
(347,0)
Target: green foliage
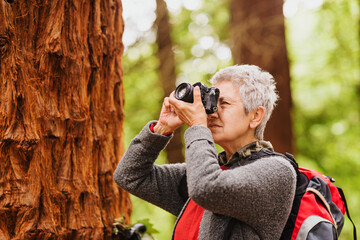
(149,226)
(143,92)
(198,38)
(120,227)
(119,224)
(324,52)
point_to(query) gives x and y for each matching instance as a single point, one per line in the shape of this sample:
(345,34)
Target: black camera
(209,96)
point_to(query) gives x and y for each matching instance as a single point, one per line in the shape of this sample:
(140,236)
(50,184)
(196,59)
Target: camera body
(209,96)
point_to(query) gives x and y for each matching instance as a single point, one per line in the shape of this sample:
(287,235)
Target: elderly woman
(212,191)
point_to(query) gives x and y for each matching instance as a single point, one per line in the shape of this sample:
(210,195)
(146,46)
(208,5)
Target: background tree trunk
(174,149)
(61,116)
(259,38)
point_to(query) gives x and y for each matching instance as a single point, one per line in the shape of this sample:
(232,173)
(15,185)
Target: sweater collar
(244,152)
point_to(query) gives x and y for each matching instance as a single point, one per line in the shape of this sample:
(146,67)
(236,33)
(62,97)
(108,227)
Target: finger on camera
(197,94)
(173,101)
(166,102)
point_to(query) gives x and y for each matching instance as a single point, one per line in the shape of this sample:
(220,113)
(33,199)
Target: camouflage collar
(244,152)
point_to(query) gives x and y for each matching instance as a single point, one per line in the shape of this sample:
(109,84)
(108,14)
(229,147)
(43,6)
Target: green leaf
(149,226)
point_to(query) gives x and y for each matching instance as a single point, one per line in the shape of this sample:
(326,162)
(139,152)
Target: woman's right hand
(168,120)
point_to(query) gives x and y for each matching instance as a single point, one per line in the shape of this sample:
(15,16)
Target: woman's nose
(212,115)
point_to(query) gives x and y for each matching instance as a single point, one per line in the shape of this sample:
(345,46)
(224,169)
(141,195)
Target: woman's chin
(216,138)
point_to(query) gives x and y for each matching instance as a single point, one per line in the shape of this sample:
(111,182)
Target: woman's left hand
(190,113)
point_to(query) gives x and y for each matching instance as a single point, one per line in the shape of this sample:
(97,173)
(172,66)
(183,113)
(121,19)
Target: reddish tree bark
(259,38)
(165,54)
(61,116)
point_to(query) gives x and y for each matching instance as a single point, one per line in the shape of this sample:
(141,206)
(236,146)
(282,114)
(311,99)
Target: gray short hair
(256,87)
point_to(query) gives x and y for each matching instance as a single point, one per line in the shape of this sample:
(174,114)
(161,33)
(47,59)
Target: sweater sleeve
(137,173)
(259,194)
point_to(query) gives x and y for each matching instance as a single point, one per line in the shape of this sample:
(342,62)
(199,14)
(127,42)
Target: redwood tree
(166,58)
(259,38)
(61,116)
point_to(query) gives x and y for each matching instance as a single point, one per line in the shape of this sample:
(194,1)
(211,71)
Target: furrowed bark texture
(165,54)
(61,116)
(258,35)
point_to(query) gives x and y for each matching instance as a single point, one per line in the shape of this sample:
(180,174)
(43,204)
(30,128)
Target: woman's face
(230,125)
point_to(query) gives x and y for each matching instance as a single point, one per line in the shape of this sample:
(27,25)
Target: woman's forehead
(227,89)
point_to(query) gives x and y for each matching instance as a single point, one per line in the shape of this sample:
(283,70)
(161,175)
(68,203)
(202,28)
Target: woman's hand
(168,120)
(190,113)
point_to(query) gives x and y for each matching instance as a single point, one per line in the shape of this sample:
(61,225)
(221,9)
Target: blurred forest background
(322,38)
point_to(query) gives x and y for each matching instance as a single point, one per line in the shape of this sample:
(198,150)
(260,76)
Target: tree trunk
(61,116)
(259,38)
(174,149)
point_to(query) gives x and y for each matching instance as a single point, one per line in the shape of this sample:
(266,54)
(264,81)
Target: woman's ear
(257,116)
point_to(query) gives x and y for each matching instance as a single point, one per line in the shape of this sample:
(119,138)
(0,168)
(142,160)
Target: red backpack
(318,208)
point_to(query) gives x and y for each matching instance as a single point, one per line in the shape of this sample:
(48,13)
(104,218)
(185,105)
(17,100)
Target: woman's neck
(231,149)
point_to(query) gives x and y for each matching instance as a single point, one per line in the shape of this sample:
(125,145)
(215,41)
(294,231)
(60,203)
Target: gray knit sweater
(258,194)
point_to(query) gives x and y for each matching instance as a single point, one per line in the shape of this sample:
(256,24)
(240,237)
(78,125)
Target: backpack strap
(347,211)
(268,153)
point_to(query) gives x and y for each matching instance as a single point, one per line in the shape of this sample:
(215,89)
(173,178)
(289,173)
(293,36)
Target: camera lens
(184,92)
